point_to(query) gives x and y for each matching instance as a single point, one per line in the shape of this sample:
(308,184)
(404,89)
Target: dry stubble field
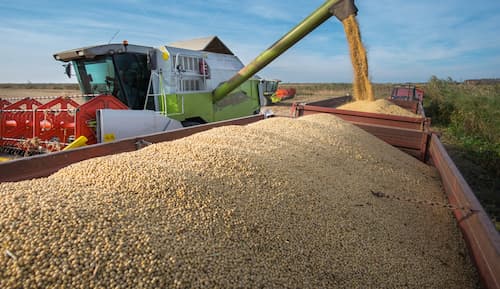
(9,91)
(305,92)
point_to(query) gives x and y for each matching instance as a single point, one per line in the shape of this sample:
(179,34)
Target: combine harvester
(409,134)
(133,90)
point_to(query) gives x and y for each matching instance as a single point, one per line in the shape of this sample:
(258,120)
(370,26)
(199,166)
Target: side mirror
(67,69)
(152,65)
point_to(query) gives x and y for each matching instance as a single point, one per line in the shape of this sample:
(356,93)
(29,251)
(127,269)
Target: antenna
(116,33)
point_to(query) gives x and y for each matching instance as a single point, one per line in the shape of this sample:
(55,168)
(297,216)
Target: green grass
(470,114)
(469,118)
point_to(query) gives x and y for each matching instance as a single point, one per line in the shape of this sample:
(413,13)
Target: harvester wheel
(187,123)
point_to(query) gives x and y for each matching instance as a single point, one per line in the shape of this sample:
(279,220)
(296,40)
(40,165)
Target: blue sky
(407,41)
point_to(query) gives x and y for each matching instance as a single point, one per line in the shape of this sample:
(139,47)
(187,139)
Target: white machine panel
(119,124)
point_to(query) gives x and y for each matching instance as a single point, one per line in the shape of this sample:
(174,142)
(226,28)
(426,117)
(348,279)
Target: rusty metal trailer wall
(332,102)
(416,123)
(480,235)
(410,105)
(330,106)
(413,142)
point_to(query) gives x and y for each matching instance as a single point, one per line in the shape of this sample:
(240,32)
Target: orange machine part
(285,93)
(10,123)
(18,113)
(54,124)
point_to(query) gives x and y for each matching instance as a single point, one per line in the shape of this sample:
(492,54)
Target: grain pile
(361,84)
(279,203)
(379,106)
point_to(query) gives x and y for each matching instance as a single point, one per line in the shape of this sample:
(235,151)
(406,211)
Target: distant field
(316,91)
(15,90)
(43,86)
(308,92)
(305,92)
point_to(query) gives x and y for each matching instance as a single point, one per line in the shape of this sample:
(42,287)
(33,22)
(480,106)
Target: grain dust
(361,84)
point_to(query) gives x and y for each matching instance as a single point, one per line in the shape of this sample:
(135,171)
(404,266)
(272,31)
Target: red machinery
(4,103)
(285,93)
(409,92)
(32,127)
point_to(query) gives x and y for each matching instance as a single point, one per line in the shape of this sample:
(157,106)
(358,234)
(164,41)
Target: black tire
(187,123)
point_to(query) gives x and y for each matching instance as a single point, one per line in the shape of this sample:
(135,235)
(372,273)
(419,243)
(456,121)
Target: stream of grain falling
(361,85)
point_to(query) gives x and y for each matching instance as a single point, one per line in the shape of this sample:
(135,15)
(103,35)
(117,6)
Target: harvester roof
(90,52)
(209,44)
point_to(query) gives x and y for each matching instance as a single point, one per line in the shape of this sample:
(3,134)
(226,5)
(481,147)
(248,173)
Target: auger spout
(338,8)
